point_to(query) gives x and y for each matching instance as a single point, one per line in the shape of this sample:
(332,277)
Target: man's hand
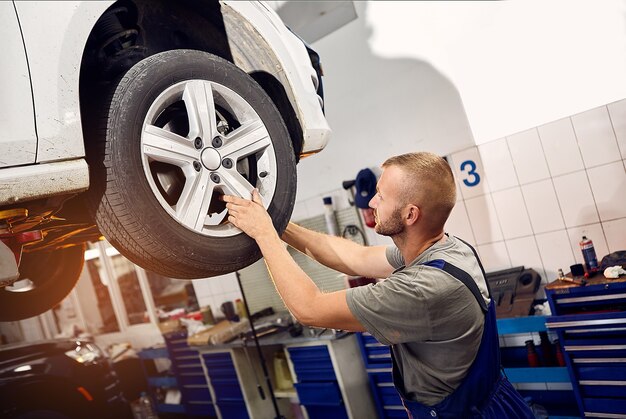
(249,215)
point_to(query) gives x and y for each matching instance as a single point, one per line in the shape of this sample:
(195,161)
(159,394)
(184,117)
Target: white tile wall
(494,256)
(617,112)
(575,199)
(571,177)
(543,207)
(524,252)
(458,223)
(615,233)
(498,165)
(215,291)
(560,147)
(556,252)
(609,189)
(528,158)
(482,214)
(512,213)
(595,137)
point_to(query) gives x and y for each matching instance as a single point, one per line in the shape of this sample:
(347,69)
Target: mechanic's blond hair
(428,184)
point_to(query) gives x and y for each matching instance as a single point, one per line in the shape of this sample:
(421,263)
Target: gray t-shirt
(431,320)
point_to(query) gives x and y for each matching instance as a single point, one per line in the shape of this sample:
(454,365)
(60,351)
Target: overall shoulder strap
(480,264)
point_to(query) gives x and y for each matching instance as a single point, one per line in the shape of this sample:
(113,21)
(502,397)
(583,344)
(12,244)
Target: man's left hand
(249,215)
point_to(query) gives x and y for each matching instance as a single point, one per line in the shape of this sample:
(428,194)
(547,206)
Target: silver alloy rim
(236,154)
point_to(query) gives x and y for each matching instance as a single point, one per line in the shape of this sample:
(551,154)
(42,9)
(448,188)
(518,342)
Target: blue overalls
(484,392)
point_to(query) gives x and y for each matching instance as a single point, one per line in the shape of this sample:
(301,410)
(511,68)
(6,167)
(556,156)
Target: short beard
(393,226)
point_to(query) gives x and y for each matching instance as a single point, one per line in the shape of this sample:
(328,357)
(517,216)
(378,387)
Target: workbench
(223,380)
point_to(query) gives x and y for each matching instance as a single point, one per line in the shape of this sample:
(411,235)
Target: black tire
(125,207)
(53,273)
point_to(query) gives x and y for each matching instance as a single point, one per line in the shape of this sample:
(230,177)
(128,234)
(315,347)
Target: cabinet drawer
(233,410)
(191,378)
(185,353)
(602,391)
(319,394)
(602,373)
(189,369)
(388,395)
(327,412)
(307,374)
(222,359)
(315,356)
(195,393)
(227,390)
(610,406)
(197,408)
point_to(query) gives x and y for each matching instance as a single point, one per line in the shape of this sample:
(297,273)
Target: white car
(130,119)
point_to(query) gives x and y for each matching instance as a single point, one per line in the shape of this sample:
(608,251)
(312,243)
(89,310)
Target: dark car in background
(59,379)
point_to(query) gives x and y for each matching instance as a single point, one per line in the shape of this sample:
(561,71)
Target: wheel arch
(210,29)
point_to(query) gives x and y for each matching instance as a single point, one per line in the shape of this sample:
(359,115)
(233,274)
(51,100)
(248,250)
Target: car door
(18,138)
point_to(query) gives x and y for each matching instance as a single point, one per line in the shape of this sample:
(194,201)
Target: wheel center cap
(211,158)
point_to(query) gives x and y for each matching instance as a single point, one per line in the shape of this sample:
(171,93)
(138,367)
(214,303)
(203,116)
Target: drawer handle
(601,383)
(595,347)
(554,325)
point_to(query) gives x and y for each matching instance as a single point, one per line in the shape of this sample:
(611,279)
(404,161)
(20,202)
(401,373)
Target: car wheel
(182,128)
(46,278)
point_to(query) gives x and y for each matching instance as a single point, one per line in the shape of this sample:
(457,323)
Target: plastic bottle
(533,359)
(329,215)
(146,408)
(241,308)
(589,254)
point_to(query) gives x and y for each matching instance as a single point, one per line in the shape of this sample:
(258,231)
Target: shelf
(162,381)
(521,325)
(538,375)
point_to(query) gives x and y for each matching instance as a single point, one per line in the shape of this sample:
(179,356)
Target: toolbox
(591,325)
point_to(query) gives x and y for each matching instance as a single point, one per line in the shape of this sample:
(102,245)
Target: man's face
(386,203)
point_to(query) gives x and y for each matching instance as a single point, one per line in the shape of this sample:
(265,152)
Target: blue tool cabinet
(223,379)
(159,382)
(316,384)
(192,383)
(330,379)
(591,324)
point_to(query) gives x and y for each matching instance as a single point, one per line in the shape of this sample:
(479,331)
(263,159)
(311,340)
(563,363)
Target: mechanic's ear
(413,214)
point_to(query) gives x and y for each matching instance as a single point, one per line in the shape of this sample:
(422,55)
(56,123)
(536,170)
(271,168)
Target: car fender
(291,63)
(55,34)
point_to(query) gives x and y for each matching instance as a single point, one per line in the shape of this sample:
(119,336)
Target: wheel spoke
(236,183)
(198,98)
(193,205)
(167,147)
(250,138)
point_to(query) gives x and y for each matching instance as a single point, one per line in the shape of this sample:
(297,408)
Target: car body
(89,148)
(59,379)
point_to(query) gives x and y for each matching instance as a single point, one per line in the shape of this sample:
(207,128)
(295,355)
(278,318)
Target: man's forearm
(335,252)
(295,287)
(338,253)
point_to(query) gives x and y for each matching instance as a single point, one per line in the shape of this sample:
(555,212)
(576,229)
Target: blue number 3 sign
(475,177)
